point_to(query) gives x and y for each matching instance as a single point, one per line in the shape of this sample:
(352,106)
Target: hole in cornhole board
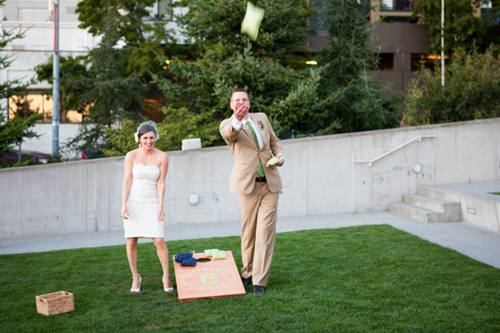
(203,260)
(208,279)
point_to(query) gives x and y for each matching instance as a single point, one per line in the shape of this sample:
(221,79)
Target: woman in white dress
(142,200)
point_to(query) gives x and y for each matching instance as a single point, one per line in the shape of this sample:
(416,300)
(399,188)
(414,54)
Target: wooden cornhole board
(210,279)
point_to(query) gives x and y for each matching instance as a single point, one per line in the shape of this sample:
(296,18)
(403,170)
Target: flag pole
(442,43)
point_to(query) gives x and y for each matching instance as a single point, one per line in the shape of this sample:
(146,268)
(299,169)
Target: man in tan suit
(257,185)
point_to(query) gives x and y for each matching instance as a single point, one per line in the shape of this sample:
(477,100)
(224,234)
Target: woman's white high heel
(168,290)
(138,290)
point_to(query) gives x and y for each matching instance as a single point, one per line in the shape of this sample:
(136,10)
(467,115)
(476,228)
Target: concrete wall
(479,206)
(481,210)
(319,177)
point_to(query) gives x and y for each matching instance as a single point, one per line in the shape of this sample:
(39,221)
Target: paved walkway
(479,244)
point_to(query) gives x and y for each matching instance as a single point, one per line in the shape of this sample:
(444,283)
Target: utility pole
(55,86)
(442,43)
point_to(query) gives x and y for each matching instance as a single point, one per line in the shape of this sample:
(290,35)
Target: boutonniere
(261,125)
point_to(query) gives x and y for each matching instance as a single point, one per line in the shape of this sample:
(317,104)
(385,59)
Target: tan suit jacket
(246,154)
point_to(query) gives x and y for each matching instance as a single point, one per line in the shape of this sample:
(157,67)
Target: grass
(495,193)
(358,279)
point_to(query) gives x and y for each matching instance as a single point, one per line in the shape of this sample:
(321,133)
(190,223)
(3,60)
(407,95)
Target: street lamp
(55,85)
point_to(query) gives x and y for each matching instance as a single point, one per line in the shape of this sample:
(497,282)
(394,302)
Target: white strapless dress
(143,204)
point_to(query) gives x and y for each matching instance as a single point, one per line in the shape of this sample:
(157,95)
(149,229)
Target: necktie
(260,170)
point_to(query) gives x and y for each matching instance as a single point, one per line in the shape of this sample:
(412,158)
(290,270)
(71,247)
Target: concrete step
(450,211)
(414,212)
(439,193)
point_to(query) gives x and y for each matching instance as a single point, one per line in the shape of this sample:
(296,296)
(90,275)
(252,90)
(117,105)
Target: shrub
(471,91)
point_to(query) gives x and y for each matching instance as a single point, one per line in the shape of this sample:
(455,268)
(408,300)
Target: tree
(196,85)
(350,100)
(181,125)
(109,84)
(462,29)
(471,91)
(106,89)
(225,59)
(102,85)
(71,69)
(299,112)
(13,132)
(336,97)
(146,39)
(214,27)
(127,15)
(9,87)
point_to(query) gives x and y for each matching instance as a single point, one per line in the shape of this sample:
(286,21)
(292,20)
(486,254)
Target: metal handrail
(417,138)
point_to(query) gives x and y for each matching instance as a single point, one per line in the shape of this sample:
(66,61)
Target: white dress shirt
(238,125)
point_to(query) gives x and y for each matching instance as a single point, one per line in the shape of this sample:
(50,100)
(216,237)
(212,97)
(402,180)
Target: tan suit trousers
(258,230)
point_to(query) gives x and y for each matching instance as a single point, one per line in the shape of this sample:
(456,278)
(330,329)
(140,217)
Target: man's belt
(260,179)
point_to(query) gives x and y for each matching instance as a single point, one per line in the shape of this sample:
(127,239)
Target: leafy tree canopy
(106,89)
(225,59)
(462,29)
(110,82)
(145,39)
(100,86)
(70,69)
(349,99)
(472,91)
(335,97)
(9,87)
(214,26)
(128,16)
(13,132)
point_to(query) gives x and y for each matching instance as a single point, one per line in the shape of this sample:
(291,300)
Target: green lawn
(358,279)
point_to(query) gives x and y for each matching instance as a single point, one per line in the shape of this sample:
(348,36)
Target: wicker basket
(54,303)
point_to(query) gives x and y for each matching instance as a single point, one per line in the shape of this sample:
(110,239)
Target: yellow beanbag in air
(251,21)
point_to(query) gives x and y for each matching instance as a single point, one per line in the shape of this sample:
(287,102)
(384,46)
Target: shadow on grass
(368,278)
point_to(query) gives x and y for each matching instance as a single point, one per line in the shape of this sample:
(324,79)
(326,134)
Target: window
(489,10)
(33,15)
(316,25)
(385,62)
(34,102)
(487,4)
(396,5)
(427,60)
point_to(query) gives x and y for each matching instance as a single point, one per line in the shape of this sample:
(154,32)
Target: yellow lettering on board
(208,278)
